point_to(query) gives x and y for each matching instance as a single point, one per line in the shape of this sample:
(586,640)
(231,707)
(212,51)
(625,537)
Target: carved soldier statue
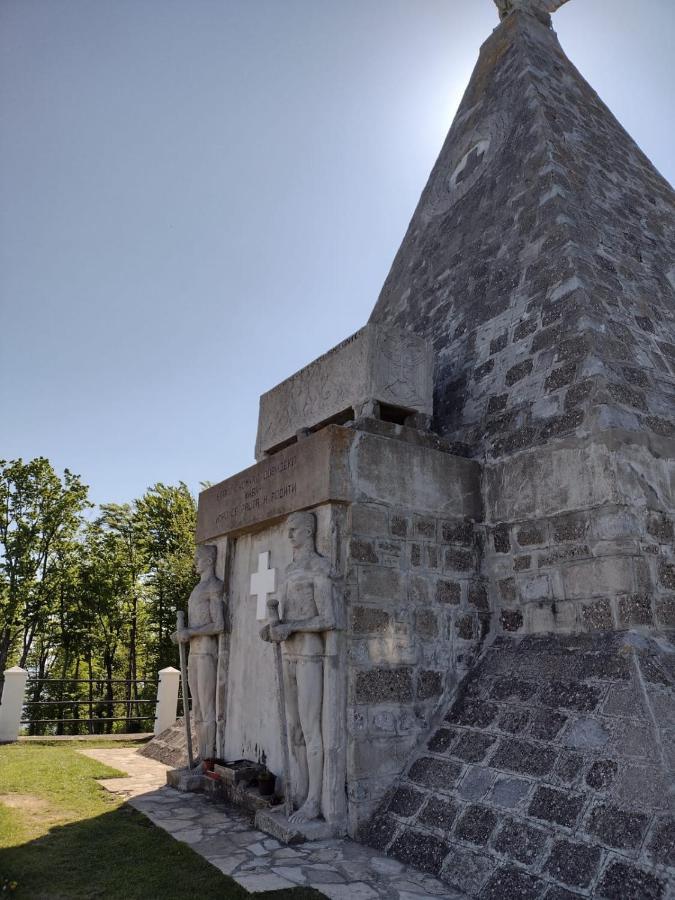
(205,623)
(307,615)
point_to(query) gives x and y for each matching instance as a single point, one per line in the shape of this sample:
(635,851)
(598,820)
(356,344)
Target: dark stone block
(560,377)
(497,403)
(569,528)
(366,620)
(524,758)
(664,427)
(514,721)
(511,619)
(549,337)
(448,592)
(513,884)
(628,396)
(498,344)
(529,535)
(522,563)
(384,686)
(645,323)
(476,825)
(420,850)
(473,712)
(363,551)
(573,864)
(662,845)
(415,555)
(556,806)
(500,537)
(519,841)
(458,533)
(472,746)
(406,801)
(635,376)
(478,595)
(562,424)
(439,813)
(598,615)
(636,610)
(601,774)
(570,695)
(665,611)
(426,528)
(465,626)
(435,773)
(440,742)
(660,527)
(524,329)
(617,828)
(547,724)
(513,689)
(458,560)
(429,684)
(578,393)
(518,372)
(399,526)
(379,832)
(622,881)
(426,623)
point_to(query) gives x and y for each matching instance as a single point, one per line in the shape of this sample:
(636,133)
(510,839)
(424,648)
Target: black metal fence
(73,706)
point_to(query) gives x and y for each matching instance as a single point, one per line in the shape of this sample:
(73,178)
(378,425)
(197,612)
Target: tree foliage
(88,602)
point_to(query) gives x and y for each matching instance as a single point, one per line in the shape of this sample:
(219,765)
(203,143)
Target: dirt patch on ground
(33,809)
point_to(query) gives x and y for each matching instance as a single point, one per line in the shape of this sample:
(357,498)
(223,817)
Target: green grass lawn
(63,837)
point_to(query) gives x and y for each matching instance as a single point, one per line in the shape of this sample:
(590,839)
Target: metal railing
(24,706)
(42,715)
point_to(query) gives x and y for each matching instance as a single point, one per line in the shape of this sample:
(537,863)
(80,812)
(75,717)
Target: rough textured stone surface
(539,263)
(524,815)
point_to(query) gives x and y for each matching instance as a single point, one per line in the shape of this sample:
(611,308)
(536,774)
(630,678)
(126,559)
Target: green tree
(40,513)
(166,518)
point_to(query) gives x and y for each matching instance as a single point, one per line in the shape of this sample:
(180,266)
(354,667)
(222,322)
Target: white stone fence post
(167,699)
(13,694)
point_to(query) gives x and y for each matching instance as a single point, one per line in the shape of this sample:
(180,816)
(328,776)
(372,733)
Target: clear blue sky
(200,196)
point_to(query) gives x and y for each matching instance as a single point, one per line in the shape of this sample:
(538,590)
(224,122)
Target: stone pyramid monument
(541,263)
(448,582)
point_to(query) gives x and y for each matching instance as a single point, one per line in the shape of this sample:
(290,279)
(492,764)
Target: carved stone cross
(263,582)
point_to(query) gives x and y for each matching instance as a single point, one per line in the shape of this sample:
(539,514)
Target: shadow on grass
(119,854)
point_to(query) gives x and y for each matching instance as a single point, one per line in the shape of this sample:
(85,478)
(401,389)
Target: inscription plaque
(305,474)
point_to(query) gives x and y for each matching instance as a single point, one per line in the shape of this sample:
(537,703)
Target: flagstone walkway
(225,836)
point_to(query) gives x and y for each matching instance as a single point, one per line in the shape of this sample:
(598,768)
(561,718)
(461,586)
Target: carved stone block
(375,365)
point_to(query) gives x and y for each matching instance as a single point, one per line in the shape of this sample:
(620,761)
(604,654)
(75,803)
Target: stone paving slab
(225,836)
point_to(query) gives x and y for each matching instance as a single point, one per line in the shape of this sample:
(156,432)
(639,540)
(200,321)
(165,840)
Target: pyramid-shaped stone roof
(540,260)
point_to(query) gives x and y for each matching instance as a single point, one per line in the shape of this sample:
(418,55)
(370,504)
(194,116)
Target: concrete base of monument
(185,780)
(276,824)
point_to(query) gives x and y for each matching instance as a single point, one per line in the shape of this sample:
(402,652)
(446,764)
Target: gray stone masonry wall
(546,277)
(550,777)
(541,263)
(581,539)
(417,616)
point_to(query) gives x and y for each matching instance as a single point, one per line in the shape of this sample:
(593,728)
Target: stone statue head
(301,530)
(205,558)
